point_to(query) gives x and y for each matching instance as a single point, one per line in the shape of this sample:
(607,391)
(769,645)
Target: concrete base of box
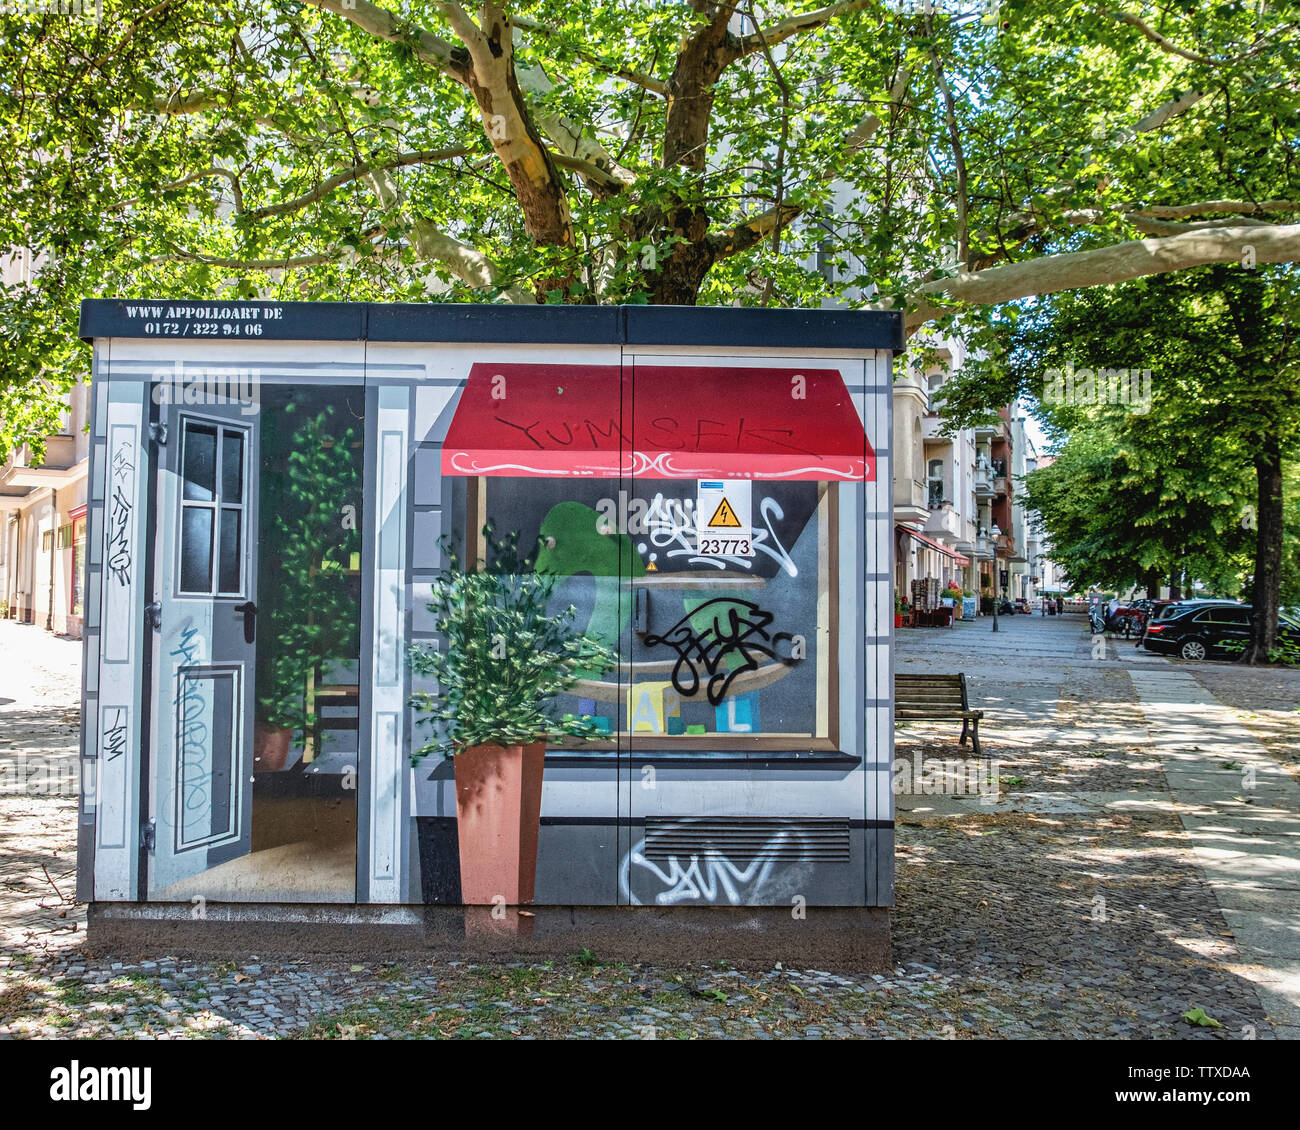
(852,939)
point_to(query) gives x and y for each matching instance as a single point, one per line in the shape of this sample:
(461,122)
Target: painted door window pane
(213,508)
(78,566)
(231,523)
(232,465)
(196,549)
(200,462)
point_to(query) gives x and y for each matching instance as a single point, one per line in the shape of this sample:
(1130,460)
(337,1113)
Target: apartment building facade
(957,517)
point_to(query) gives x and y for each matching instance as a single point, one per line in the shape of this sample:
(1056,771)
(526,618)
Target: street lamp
(997,533)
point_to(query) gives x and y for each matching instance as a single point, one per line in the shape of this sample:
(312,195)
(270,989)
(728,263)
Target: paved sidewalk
(1177,753)
(1241,813)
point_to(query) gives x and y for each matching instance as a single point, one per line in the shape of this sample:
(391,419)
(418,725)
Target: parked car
(1163,609)
(1201,630)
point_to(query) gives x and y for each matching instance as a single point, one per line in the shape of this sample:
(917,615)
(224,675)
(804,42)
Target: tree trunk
(1151,583)
(1175,592)
(1266,591)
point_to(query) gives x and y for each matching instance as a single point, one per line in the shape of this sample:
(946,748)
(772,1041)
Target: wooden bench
(921,698)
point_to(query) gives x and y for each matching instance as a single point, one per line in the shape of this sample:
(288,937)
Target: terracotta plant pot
(271,747)
(898,619)
(498,805)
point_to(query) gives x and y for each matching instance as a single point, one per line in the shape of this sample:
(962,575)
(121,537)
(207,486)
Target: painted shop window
(213,504)
(724,636)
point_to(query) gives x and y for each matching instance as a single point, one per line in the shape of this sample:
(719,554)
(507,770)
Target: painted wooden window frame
(827,676)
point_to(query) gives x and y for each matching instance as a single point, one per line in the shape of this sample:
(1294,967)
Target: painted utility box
(276,490)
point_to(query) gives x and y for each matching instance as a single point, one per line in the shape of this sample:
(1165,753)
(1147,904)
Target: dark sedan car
(1202,631)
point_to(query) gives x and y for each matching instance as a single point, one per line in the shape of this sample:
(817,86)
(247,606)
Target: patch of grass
(524,977)
(366,1019)
(585,958)
(73,993)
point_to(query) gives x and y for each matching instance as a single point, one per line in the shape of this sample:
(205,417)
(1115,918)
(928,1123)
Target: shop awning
(957,557)
(658,422)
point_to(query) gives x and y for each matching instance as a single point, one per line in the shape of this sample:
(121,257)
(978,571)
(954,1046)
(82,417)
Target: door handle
(249,609)
(153,615)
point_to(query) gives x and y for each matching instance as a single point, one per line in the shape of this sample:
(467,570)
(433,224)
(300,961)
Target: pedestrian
(1060,606)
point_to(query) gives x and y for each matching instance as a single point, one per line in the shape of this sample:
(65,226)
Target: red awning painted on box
(658,422)
(957,557)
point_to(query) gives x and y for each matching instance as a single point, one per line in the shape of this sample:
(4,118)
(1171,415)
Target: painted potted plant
(503,657)
(311,613)
(899,606)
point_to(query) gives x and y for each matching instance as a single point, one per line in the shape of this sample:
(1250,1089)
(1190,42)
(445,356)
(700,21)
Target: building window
(65,536)
(934,477)
(47,541)
(78,534)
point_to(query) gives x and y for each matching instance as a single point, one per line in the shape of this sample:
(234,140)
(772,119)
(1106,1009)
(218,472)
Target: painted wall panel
(769,813)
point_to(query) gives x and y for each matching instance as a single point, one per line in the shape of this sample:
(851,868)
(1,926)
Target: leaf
(1198,1017)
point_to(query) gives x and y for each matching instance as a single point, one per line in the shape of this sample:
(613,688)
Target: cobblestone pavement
(1068,905)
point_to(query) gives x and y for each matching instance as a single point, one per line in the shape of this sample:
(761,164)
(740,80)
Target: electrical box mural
(454,605)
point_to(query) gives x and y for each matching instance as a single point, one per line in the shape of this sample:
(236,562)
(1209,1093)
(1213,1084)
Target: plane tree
(943,159)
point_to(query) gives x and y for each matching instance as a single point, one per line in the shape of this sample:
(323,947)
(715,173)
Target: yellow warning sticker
(728,533)
(724,517)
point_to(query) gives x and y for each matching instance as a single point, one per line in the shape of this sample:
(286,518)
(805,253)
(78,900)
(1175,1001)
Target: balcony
(932,430)
(983,483)
(943,520)
(909,502)
(984,548)
(58,469)
(1006,546)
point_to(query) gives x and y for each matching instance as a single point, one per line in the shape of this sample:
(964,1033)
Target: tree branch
(383,24)
(466,262)
(1208,207)
(1102,266)
(284,264)
(1167,45)
(793,25)
(402,160)
(747,233)
(636,78)
(202,174)
(958,155)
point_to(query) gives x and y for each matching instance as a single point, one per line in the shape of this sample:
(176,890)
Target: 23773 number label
(726,547)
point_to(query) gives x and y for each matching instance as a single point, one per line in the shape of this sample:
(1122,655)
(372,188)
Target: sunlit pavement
(1238,806)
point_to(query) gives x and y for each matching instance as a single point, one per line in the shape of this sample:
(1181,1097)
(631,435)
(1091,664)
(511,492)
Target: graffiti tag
(120,510)
(191,711)
(732,631)
(670,524)
(712,877)
(114,744)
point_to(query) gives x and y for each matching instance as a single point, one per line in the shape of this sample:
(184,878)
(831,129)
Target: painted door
(205,624)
